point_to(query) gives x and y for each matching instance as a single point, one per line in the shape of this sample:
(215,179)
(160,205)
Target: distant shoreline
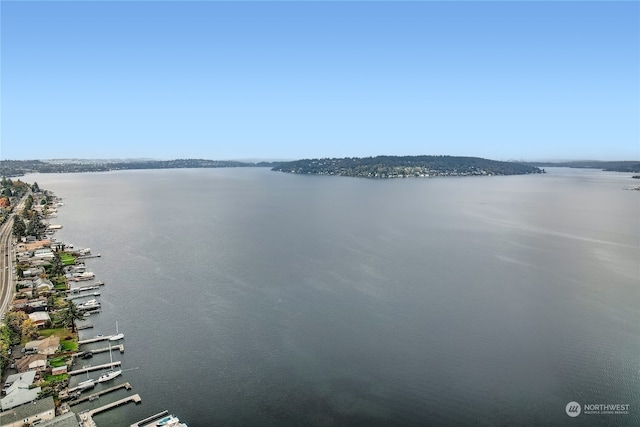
(367,167)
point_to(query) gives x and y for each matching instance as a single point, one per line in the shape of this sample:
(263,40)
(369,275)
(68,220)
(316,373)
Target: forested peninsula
(406,166)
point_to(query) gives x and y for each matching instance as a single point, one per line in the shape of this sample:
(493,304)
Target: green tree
(14,320)
(71,315)
(19,227)
(29,329)
(57,268)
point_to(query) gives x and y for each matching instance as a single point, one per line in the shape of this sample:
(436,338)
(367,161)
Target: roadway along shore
(7,258)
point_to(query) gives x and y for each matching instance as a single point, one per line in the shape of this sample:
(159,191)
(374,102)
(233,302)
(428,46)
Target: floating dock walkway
(85,326)
(94,368)
(113,347)
(95,339)
(94,396)
(86,418)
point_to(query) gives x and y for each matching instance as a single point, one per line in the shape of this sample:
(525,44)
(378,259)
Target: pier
(94,396)
(77,296)
(94,339)
(94,368)
(88,256)
(86,288)
(86,418)
(150,419)
(113,347)
(86,326)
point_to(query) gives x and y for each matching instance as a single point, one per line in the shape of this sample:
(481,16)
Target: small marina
(58,309)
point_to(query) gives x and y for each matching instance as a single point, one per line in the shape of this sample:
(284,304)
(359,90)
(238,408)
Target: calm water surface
(250,297)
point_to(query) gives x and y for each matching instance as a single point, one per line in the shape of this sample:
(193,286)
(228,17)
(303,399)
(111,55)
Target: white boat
(170,421)
(86,384)
(92,303)
(96,294)
(108,376)
(118,336)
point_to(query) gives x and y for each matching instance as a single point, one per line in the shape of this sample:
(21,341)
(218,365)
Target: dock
(88,256)
(94,339)
(94,368)
(150,419)
(94,396)
(77,296)
(113,347)
(96,285)
(86,418)
(85,326)
(119,347)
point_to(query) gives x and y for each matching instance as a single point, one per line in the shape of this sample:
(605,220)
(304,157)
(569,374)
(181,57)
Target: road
(7,260)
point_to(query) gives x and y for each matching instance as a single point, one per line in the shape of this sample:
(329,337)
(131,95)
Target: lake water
(250,297)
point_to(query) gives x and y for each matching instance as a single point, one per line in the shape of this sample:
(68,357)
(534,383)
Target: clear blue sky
(287,80)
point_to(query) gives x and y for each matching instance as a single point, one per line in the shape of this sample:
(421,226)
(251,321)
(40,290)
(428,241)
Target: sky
(291,80)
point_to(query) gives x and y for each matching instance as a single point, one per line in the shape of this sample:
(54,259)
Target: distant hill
(405,166)
(613,166)
(11,168)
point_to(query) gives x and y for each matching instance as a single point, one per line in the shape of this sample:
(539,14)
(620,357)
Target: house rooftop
(28,410)
(66,420)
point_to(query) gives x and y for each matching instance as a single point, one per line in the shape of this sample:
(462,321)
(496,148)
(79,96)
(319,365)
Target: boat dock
(94,368)
(88,256)
(86,326)
(94,396)
(96,285)
(119,347)
(76,296)
(94,339)
(150,419)
(86,418)
(113,347)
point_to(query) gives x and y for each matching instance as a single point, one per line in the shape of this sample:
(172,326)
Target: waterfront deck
(86,418)
(94,396)
(94,368)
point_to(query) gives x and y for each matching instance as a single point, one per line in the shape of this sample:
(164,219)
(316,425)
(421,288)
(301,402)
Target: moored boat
(108,376)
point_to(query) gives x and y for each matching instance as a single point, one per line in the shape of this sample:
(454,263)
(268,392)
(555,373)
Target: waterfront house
(40,318)
(46,346)
(68,419)
(43,284)
(36,362)
(25,379)
(30,247)
(33,414)
(19,392)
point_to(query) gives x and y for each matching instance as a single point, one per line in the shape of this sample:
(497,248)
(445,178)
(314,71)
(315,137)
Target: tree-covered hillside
(406,166)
